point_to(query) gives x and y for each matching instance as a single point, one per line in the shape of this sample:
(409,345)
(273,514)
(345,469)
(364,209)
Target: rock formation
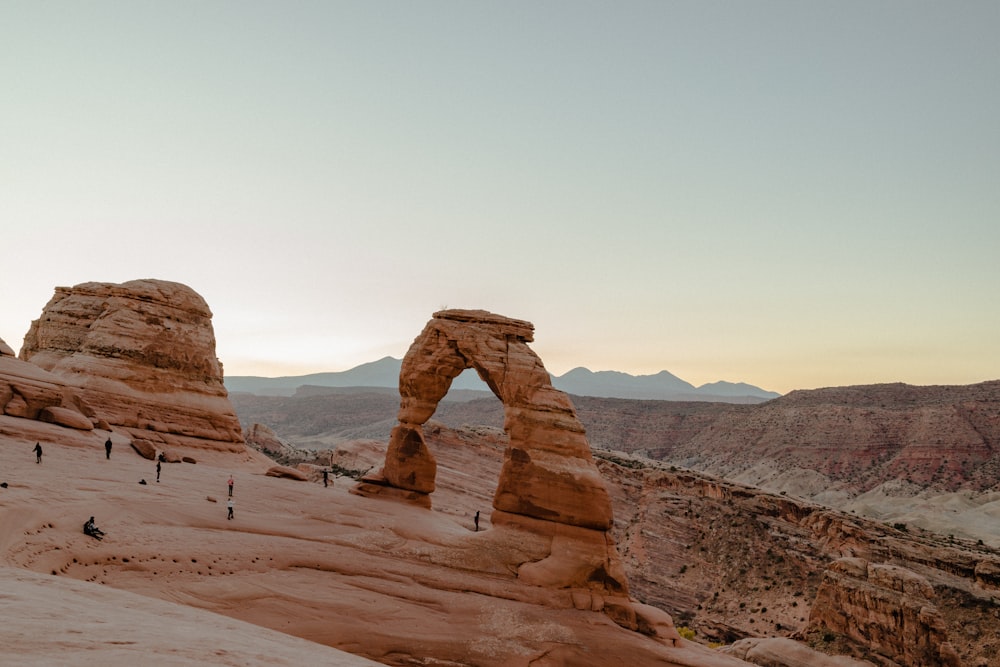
(142,356)
(549,485)
(266,441)
(29,392)
(885,607)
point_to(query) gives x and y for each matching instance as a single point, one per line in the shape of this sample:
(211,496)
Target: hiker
(477,521)
(157,471)
(107,448)
(326,477)
(38,452)
(90,529)
(229,506)
(230,482)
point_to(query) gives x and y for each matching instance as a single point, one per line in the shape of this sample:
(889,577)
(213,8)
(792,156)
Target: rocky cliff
(141,355)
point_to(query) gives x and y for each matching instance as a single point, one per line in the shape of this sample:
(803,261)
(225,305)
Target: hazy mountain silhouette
(662,386)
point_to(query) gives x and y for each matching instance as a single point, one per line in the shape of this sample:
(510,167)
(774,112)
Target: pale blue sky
(791,194)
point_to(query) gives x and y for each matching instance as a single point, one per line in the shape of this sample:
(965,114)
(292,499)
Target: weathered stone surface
(142,353)
(784,652)
(65,417)
(287,473)
(144,448)
(5,349)
(886,607)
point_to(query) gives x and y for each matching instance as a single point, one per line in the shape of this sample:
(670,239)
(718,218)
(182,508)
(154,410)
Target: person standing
(157,471)
(38,452)
(326,478)
(107,447)
(477,521)
(230,483)
(229,506)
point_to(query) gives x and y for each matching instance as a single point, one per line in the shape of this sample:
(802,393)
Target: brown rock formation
(143,355)
(65,417)
(286,473)
(266,441)
(5,349)
(30,392)
(549,486)
(886,607)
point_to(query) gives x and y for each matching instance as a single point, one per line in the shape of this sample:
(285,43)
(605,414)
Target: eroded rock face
(549,486)
(142,354)
(29,392)
(888,608)
(548,470)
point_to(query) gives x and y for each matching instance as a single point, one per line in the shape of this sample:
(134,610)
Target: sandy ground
(376,578)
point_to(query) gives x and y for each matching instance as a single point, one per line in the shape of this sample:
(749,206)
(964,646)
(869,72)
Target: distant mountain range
(663,386)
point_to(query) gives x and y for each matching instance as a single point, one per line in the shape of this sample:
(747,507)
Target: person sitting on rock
(90,529)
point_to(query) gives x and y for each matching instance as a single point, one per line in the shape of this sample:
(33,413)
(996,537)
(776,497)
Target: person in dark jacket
(90,529)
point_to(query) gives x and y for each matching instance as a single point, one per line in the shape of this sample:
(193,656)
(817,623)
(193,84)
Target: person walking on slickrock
(157,471)
(230,482)
(477,521)
(229,506)
(107,447)
(38,452)
(326,477)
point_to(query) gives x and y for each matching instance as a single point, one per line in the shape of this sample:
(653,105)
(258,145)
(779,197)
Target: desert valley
(838,527)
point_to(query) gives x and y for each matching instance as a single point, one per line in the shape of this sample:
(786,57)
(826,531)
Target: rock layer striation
(142,356)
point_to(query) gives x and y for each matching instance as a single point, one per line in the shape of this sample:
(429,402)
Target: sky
(792,194)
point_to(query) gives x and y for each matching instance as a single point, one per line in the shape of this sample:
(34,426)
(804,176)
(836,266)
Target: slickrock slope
(60,622)
(142,357)
(375,577)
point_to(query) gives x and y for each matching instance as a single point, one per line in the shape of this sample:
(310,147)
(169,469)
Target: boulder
(784,652)
(287,473)
(144,448)
(65,417)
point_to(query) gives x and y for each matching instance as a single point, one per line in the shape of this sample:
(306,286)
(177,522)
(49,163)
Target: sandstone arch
(548,471)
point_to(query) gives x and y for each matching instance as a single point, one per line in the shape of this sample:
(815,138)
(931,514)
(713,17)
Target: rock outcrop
(886,607)
(266,441)
(29,392)
(549,485)
(142,356)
